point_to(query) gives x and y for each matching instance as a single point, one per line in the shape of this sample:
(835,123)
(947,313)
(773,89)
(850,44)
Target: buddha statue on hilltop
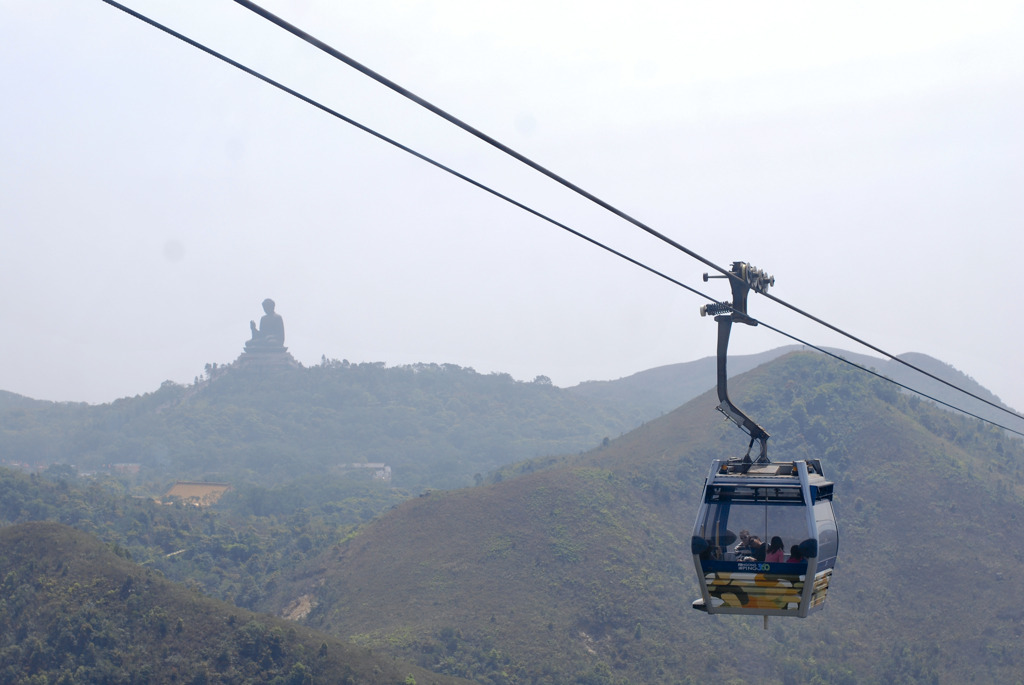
(269,336)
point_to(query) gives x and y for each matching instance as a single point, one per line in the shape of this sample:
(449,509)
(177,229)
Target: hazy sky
(869,155)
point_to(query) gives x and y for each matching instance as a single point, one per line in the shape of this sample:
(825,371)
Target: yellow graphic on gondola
(779,591)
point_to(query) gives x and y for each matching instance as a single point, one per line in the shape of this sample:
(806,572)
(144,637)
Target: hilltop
(580,572)
(659,390)
(656,391)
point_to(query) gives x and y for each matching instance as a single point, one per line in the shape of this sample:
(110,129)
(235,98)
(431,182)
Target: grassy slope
(579,573)
(73,611)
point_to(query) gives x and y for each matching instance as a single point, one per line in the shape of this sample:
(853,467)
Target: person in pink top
(776,551)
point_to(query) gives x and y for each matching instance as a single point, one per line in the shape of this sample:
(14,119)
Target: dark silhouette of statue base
(267,343)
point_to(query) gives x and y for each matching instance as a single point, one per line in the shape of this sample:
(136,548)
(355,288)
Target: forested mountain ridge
(234,551)
(74,612)
(591,555)
(9,400)
(574,569)
(435,425)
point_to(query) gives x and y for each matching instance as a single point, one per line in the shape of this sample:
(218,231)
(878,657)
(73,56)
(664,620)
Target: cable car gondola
(750,503)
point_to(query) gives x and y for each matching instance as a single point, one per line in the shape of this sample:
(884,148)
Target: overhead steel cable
(510,200)
(383,80)
(426,104)
(400,146)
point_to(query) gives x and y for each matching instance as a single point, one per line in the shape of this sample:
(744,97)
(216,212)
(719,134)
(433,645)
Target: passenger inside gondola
(757,549)
(795,556)
(776,551)
(743,546)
